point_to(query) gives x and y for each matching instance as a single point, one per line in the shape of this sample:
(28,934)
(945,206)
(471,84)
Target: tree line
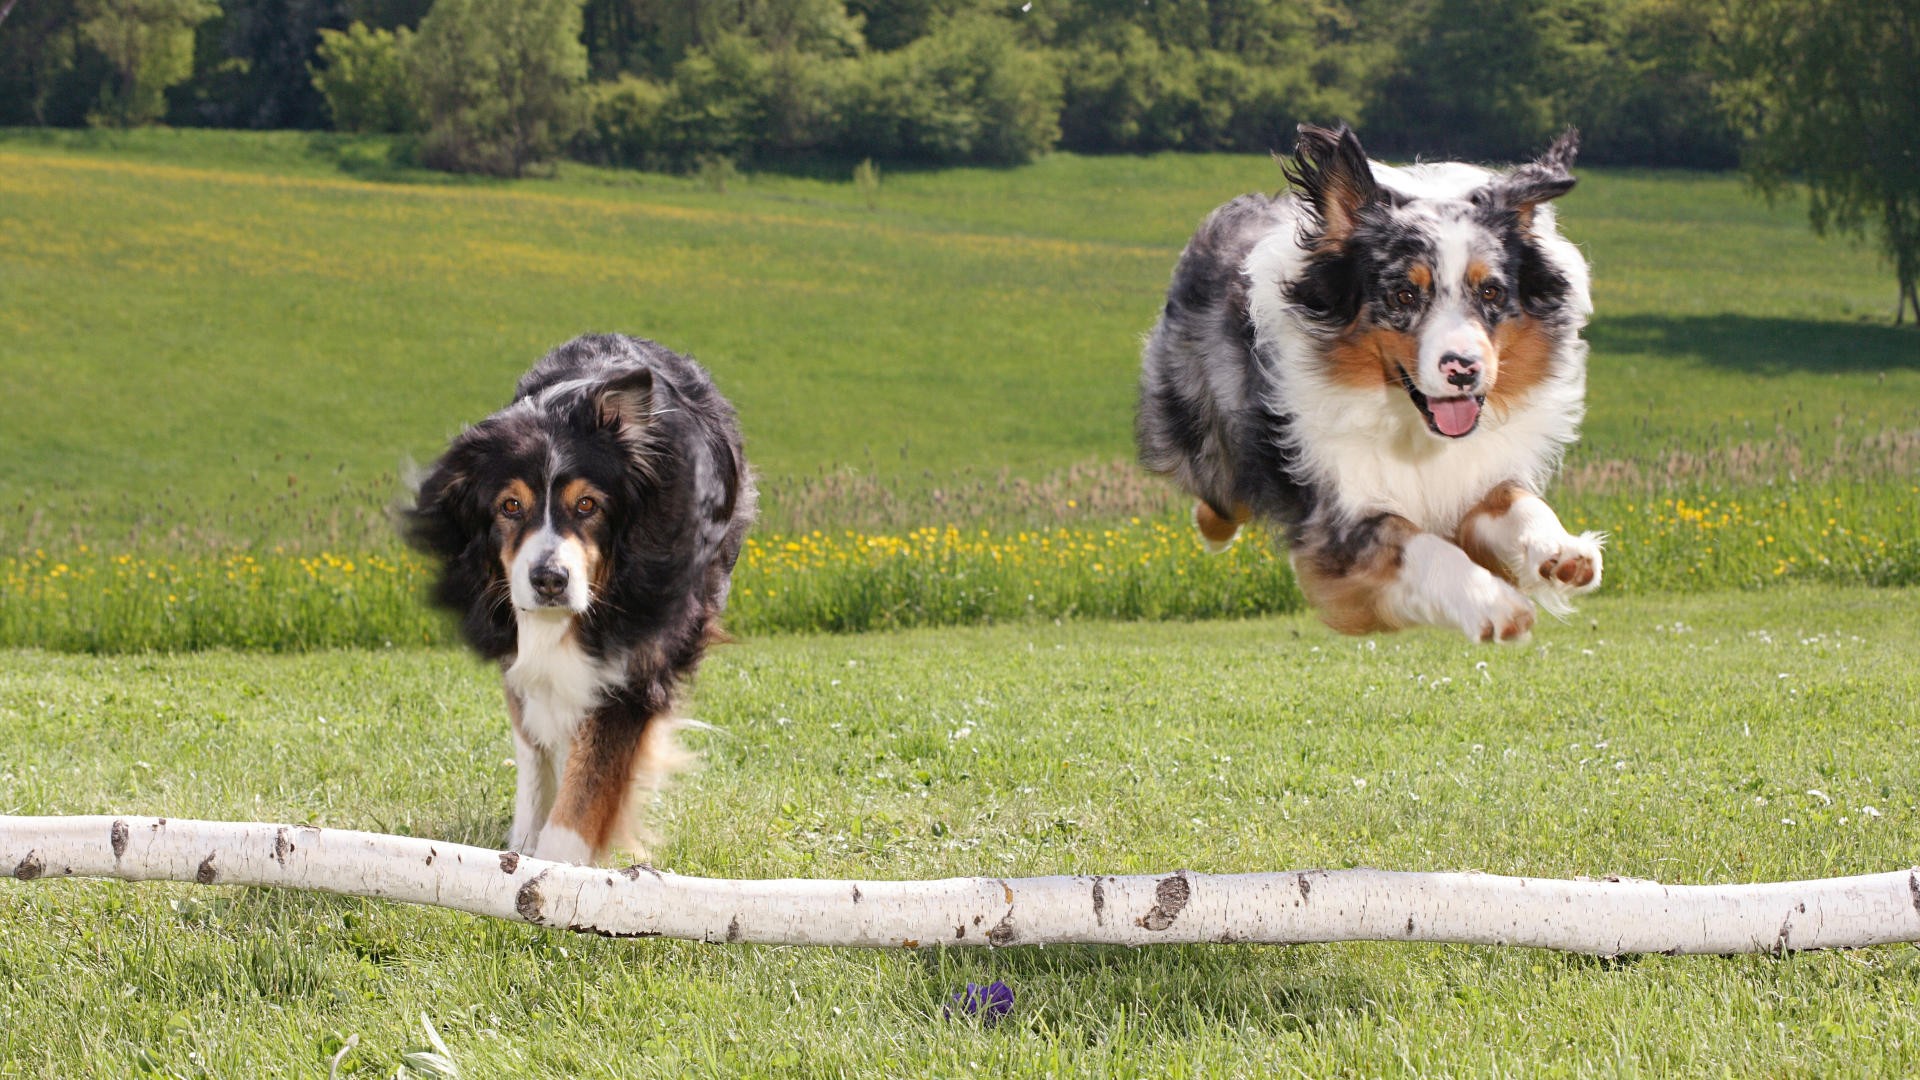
(1824,93)
(669,82)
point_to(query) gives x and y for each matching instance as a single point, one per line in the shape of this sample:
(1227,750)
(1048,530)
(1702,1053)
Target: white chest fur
(555,679)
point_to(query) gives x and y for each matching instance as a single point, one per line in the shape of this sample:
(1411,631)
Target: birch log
(1601,917)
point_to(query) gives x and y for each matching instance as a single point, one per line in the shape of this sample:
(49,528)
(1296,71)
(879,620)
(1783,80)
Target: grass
(253,319)
(1717,738)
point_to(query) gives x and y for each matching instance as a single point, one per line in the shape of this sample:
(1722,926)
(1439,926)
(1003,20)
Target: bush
(623,122)
(965,93)
(364,78)
(497,82)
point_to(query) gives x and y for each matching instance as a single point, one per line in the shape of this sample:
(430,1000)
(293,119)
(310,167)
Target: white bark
(1602,917)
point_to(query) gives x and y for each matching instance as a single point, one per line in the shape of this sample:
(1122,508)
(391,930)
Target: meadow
(218,348)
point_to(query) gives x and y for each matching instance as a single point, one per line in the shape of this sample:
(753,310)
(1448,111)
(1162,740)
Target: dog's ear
(1330,168)
(1547,177)
(445,515)
(625,405)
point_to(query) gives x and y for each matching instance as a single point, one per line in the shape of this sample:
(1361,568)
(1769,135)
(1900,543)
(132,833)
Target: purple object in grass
(989,1002)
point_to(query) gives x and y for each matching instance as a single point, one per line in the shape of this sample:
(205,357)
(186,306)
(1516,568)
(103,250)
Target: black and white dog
(1387,364)
(587,535)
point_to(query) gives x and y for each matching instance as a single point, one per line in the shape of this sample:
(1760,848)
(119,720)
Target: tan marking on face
(1370,357)
(1218,529)
(1477,272)
(1522,358)
(1350,602)
(592,531)
(1495,504)
(1421,275)
(512,531)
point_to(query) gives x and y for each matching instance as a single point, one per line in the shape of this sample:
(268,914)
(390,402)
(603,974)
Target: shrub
(497,82)
(965,93)
(623,123)
(363,76)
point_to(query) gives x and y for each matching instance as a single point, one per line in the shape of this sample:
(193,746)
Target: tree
(363,77)
(498,82)
(149,44)
(1828,94)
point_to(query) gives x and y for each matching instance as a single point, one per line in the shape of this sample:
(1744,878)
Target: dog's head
(1447,294)
(526,509)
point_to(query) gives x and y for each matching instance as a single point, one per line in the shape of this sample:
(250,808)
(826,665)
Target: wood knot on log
(1913,886)
(206,873)
(1169,897)
(527,903)
(1099,903)
(117,838)
(282,847)
(509,861)
(733,930)
(30,867)
(1003,933)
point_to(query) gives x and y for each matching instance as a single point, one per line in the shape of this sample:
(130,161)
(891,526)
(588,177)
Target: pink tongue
(1454,416)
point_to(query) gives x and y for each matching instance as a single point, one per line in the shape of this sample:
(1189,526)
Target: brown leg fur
(1343,575)
(1496,504)
(599,780)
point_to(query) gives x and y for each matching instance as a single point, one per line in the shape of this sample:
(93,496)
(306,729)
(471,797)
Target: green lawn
(1720,738)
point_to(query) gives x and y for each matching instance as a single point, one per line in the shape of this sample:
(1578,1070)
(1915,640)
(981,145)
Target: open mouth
(1451,417)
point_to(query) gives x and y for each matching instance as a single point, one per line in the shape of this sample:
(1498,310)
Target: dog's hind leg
(1218,533)
(1383,573)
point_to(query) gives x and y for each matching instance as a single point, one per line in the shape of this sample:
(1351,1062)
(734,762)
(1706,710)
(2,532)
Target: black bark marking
(583,928)
(976,920)
(1409,926)
(509,861)
(632,873)
(856,894)
(431,854)
(1306,887)
(117,836)
(1099,903)
(283,846)
(30,867)
(528,901)
(1913,886)
(960,931)
(733,929)
(206,873)
(1003,933)
(1169,897)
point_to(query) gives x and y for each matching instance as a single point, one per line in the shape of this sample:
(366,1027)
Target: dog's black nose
(1461,371)
(548,580)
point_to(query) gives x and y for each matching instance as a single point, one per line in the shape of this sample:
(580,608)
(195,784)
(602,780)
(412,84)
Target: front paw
(1556,570)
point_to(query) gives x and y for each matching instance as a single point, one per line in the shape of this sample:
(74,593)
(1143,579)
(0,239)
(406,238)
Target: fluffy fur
(587,535)
(1386,363)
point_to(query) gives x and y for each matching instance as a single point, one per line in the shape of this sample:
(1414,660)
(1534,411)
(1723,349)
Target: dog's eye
(511,507)
(585,506)
(1492,293)
(1405,298)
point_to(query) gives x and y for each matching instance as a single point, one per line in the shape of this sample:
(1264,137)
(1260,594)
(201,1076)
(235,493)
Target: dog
(1385,363)
(586,536)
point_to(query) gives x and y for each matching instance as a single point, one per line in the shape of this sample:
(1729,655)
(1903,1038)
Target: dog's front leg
(1381,572)
(533,783)
(590,807)
(1515,534)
